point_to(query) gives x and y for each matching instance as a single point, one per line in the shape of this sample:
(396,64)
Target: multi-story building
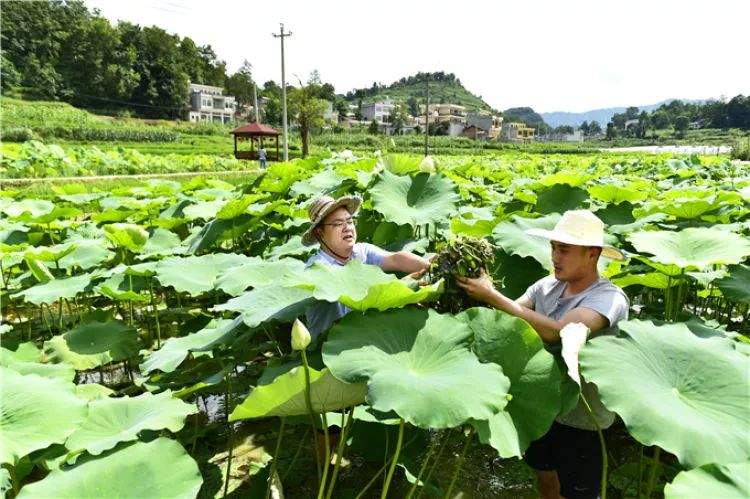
(378,111)
(490,124)
(208,105)
(517,132)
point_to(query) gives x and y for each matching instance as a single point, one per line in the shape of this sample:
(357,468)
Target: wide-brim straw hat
(579,228)
(321,207)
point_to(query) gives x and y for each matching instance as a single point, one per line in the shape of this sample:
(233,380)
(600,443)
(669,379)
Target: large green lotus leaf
(115,338)
(87,254)
(414,201)
(686,208)
(124,287)
(285,396)
(736,286)
(693,247)
(114,420)
(16,362)
(655,280)
(92,391)
(129,236)
(728,481)
(33,207)
(160,468)
(511,236)
(472,221)
(320,183)
(360,286)
(292,247)
(534,379)
(196,274)
(560,198)
(257,273)
(688,395)
(205,209)
(270,303)
(36,412)
(639,224)
(55,289)
(175,350)
(416,362)
(616,194)
(52,253)
(161,242)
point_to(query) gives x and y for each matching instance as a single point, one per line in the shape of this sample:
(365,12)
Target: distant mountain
(524,114)
(560,118)
(445,88)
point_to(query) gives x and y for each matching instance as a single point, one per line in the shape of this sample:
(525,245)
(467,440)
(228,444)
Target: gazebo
(254,132)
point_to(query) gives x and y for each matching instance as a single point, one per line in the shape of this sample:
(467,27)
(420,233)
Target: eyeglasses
(339,224)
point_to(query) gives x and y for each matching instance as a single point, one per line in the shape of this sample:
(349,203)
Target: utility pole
(283,35)
(427,116)
(255,103)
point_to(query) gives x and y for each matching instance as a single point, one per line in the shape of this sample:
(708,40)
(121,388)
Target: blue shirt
(322,314)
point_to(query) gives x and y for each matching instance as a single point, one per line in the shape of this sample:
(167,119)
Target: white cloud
(550,55)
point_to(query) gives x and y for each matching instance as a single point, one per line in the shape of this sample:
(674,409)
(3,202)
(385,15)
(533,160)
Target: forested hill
(445,88)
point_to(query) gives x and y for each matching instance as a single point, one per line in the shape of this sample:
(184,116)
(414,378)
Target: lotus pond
(146,333)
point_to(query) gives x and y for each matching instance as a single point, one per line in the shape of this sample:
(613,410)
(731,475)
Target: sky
(551,55)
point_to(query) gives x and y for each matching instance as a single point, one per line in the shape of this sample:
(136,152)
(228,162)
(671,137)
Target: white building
(208,105)
(378,111)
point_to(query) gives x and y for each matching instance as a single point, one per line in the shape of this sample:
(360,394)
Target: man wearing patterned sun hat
(332,226)
(567,459)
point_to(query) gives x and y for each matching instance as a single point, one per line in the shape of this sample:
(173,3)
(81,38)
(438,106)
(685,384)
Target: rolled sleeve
(613,305)
(373,255)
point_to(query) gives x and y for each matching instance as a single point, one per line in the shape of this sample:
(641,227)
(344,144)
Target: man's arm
(404,261)
(547,328)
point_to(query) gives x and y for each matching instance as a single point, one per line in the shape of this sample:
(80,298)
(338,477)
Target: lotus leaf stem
(640,472)
(296,454)
(394,461)
(346,424)
(274,464)
(653,472)
(446,439)
(227,407)
(327,461)
(308,402)
(603,446)
(460,463)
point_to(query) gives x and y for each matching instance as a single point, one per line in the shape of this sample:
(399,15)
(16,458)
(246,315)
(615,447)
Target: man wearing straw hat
(567,460)
(332,226)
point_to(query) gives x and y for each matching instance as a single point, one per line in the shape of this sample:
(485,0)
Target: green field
(145,314)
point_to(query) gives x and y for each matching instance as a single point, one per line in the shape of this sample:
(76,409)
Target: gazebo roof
(255,129)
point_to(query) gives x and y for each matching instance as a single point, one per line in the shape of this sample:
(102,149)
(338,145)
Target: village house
(517,132)
(209,105)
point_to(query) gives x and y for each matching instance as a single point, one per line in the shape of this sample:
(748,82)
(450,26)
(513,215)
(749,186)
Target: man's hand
(480,288)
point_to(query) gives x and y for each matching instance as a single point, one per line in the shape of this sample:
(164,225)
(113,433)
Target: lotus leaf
(35,413)
(114,420)
(55,289)
(285,395)
(689,395)
(693,247)
(417,200)
(416,363)
(129,236)
(93,344)
(511,236)
(258,273)
(736,286)
(196,274)
(160,468)
(270,303)
(175,350)
(726,481)
(534,379)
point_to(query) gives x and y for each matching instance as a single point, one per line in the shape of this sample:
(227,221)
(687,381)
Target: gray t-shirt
(602,296)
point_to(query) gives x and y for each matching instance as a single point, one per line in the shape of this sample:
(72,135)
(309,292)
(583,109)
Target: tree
(585,128)
(307,111)
(611,131)
(564,129)
(411,102)
(399,116)
(373,128)
(358,112)
(241,84)
(595,128)
(681,125)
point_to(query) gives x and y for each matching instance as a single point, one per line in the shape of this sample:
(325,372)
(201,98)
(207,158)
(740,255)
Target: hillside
(444,88)
(524,114)
(603,116)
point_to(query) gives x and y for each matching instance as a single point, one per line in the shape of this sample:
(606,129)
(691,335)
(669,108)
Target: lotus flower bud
(427,165)
(300,336)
